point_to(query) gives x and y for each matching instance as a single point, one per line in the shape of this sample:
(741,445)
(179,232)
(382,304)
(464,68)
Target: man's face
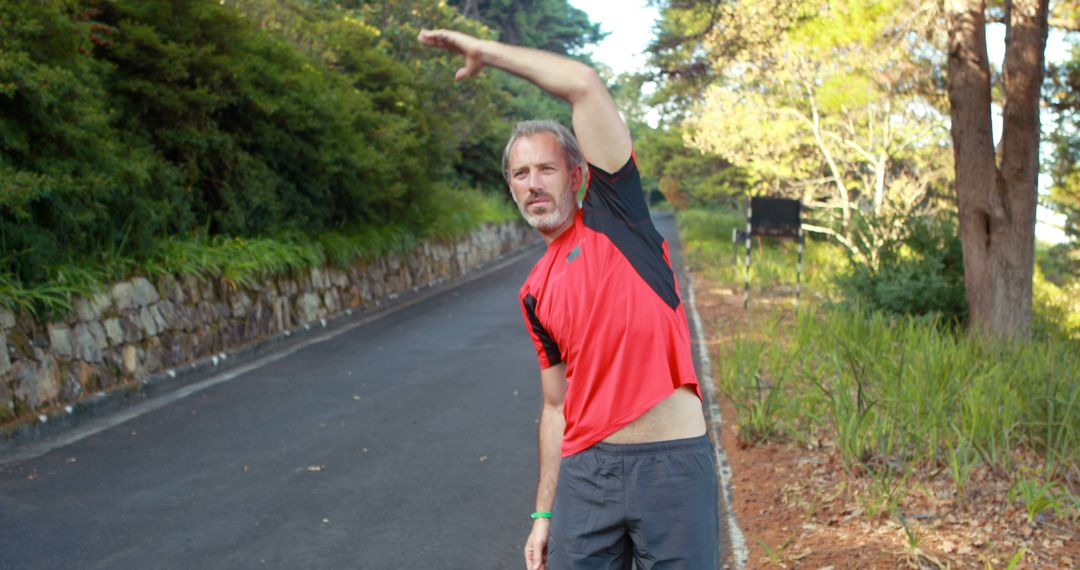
(542,184)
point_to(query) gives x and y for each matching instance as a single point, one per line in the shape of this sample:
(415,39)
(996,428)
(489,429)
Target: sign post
(776,218)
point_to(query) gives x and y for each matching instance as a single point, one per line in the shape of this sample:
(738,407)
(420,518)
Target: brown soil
(799,508)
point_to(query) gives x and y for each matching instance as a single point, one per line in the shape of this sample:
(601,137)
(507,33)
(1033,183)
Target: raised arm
(601,132)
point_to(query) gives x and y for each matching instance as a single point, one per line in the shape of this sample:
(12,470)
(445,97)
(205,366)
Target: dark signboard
(775,217)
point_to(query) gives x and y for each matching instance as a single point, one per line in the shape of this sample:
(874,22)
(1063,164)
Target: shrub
(920,274)
(128,122)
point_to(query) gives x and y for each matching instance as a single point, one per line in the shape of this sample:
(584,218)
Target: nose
(534,180)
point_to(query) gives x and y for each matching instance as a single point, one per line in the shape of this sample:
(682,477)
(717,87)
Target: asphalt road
(406,443)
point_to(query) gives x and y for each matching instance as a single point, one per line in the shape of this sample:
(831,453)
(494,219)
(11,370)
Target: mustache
(538,196)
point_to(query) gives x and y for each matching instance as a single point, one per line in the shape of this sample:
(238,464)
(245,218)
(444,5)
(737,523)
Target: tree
(833,103)
(685,176)
(550,25)
(1063,95)
(127,123)
(996,191)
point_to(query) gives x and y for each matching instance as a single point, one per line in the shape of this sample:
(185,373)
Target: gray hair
(565,138)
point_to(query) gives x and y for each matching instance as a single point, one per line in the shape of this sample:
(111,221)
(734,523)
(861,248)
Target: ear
(577,176)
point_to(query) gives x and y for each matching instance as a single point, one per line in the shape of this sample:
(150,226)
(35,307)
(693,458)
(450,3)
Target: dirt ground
(799,508)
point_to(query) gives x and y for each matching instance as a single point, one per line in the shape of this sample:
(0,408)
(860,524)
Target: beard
(553,219)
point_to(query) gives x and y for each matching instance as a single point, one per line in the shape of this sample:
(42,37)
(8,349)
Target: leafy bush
(71,182)
(130,126)
(1055,309)
(920,274)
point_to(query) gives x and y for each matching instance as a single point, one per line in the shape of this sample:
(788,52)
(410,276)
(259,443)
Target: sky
(629,26)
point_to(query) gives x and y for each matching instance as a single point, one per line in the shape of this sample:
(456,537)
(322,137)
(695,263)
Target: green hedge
(126,123)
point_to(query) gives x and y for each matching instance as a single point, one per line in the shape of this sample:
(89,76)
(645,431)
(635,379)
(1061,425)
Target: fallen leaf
(801,554)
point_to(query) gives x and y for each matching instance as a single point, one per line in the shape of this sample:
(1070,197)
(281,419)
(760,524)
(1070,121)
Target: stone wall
(137,328)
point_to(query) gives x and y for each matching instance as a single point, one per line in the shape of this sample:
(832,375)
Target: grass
(909,390)
(893,393)
(244,262)
(1036,496)
(706,235)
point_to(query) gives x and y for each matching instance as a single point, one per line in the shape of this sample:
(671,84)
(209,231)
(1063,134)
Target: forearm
(562,77)
(600,130)
(550,433)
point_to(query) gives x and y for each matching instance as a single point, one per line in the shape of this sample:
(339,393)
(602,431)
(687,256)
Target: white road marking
(739,550)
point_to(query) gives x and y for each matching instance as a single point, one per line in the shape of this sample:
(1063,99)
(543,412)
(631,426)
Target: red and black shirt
(604,300)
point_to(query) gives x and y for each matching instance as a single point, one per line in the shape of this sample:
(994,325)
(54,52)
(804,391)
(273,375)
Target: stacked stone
(135,329)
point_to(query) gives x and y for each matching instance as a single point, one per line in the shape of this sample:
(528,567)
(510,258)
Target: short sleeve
(617,193)
(615,206)
(547,351)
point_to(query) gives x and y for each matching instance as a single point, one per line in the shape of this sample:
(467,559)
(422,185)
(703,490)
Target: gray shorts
(653,504)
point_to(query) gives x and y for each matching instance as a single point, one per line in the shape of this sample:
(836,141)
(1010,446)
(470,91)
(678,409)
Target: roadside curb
(739,551)
(54,428)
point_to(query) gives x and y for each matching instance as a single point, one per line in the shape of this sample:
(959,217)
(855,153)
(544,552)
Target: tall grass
(706,235)
(243,262)
(904,390)
(892,393)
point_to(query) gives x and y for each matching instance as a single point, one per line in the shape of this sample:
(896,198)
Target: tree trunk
(997,203)
(472,10)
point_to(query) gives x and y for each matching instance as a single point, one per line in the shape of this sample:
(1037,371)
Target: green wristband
(541,515)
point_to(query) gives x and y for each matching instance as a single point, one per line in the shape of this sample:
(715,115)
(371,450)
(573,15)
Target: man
(636,480)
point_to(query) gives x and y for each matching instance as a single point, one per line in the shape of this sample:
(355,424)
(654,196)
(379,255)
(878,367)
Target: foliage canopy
(127,122)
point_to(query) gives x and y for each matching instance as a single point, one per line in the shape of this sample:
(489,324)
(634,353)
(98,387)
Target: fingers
(533,561)
(439,38)
(471,68)
(458,43)
(535,551)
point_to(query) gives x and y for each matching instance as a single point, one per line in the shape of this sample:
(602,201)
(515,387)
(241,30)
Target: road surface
(408,442)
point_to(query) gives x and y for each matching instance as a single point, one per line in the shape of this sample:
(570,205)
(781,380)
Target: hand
(459,43)
(536,545)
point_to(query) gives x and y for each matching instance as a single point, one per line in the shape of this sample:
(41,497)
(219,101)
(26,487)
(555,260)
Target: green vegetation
(918,272)
(901,365)
(890,381)
(244,262)
(707,233)
(1062,95)
(237,138)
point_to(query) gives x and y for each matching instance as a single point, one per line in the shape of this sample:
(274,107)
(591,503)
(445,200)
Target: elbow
(587,83)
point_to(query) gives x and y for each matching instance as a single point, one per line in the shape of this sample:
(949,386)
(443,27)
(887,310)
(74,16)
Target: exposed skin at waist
(679,416)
